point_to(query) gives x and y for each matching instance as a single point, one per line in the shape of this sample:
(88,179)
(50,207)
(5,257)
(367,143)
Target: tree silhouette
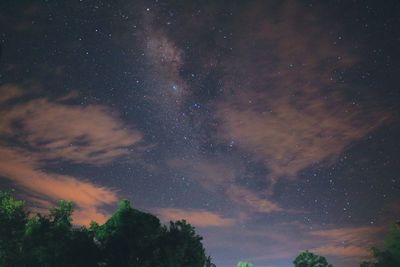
(244,264)
(53,241)
(129,238)
(308,259)
(180,246)
(390,255)
(209,262)
(13,219)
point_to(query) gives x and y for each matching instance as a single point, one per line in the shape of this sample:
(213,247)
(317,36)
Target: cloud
(283,101)
(24,170)
(259,242)
(86,215)
(353,242)
(251,200)
(349,234)
(43,130)
(200,218)
(292,136)
(343,251)
(9,91)
(82,134)
(266,243)
(219,176)
(213,176)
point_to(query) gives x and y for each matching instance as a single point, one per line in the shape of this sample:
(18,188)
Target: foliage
(308,259)
(209,262)
(129,238)
(244,264)
(390,255)
(180,246)
(13,219)
(53,241)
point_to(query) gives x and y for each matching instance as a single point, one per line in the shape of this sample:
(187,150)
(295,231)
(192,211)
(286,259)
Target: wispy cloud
(200,218)
(251,200)
(213,176)
(284,101)
(292,136)
(354,242)
(219,176)
(343,251)
(83,134)
(267,243)
(24,170)
(43,130)
(9,91)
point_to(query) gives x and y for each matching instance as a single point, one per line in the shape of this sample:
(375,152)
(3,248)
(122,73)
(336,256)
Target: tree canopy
(389,255)
(309,259)
(244,264)
(129,238)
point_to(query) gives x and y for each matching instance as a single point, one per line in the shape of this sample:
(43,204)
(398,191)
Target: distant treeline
(129,238)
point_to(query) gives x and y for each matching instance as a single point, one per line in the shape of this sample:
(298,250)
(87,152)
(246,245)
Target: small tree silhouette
(308,259)
(244,264)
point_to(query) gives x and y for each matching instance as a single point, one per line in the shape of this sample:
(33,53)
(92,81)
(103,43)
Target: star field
(270,126)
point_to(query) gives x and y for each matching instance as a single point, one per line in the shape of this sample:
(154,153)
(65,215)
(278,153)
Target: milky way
(271,126)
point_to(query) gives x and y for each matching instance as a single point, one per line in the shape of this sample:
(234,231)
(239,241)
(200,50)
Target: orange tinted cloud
(251,200)
(200,218)
(343,251)
(348,246)
(219,177)
(83,134)
(9,91)
(350,234)
(213,176)
(86,215)
(51,130)
(23,169)
(353,242)
(283,102)
(290,138)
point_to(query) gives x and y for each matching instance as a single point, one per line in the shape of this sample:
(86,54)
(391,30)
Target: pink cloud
(350,242)
(201,218)
(83,134)
(9,91)
(282,102)
(219,177)
(24,170)
(251,200)
(52,130)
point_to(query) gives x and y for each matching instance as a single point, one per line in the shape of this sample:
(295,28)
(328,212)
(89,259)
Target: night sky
(271,126)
